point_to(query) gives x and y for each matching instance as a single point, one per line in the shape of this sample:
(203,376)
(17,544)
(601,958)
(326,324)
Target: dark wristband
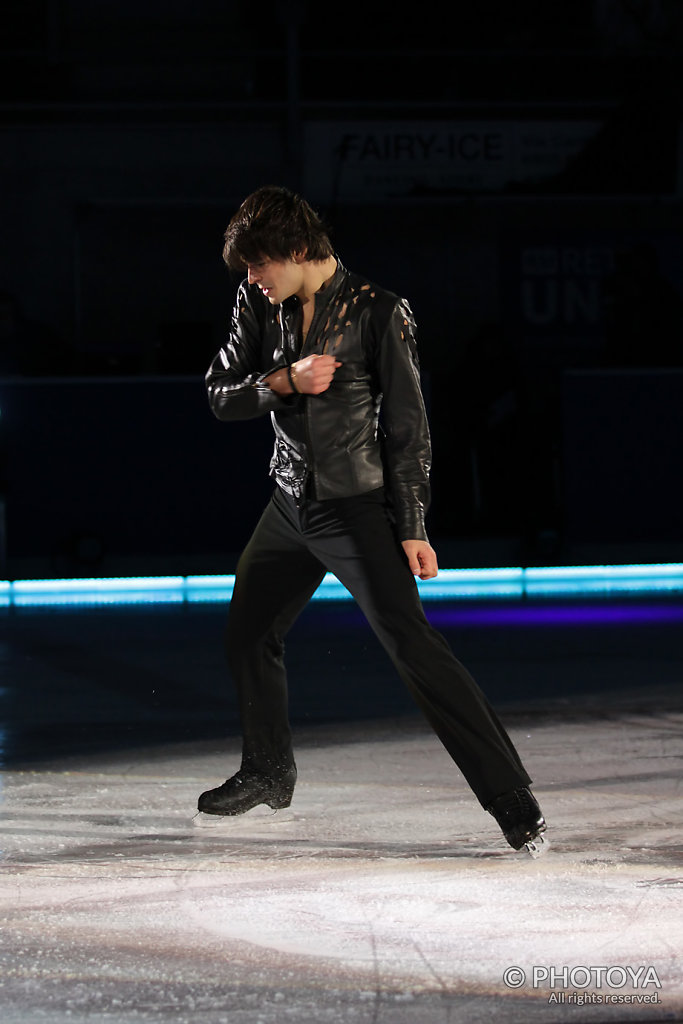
(290,378)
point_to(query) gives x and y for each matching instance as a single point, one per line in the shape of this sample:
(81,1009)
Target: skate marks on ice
(384,894)
(182,935)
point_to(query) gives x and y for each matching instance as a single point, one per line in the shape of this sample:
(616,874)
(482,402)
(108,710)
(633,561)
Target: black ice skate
(247,789)
(521,820)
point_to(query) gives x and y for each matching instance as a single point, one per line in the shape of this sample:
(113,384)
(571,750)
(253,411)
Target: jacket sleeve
(407,446)
(236,378)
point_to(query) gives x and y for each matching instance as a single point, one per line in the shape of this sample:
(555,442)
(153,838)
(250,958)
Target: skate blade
(261,813)
(537,847)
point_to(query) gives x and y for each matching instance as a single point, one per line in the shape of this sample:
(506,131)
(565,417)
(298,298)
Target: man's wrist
(291,377)
(279,382)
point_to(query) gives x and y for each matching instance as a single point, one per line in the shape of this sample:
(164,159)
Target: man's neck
(317,275)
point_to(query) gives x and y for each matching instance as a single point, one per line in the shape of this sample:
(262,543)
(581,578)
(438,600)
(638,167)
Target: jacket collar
(324,295)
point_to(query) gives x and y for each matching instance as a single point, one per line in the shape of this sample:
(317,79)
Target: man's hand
(421,558)
(311,375)
(314,374)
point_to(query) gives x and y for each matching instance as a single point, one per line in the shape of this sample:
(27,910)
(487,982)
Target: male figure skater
(332,357)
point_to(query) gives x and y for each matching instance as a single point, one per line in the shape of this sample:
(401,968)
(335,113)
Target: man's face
(277,279)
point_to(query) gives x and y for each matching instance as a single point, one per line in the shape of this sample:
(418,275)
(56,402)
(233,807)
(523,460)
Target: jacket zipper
(310,470)
(307,424)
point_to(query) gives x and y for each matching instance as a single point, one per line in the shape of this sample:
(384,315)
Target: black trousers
(291,549)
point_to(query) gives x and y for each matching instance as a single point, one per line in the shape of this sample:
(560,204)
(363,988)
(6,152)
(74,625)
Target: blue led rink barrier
(450,584)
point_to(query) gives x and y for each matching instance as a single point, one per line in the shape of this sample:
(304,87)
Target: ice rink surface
(385,894)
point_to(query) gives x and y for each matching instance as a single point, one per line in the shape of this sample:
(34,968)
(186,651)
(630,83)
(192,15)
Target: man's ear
(300,257)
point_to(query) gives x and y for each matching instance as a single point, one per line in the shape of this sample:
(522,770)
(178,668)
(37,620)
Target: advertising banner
(384,160)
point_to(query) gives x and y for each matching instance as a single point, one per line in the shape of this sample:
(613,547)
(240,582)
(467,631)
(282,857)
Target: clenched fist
(314,374)
(421,558)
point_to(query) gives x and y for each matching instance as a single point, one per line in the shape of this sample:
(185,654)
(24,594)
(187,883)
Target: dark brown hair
(274,223)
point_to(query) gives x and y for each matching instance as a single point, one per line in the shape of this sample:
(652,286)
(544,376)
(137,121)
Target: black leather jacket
(369,429)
